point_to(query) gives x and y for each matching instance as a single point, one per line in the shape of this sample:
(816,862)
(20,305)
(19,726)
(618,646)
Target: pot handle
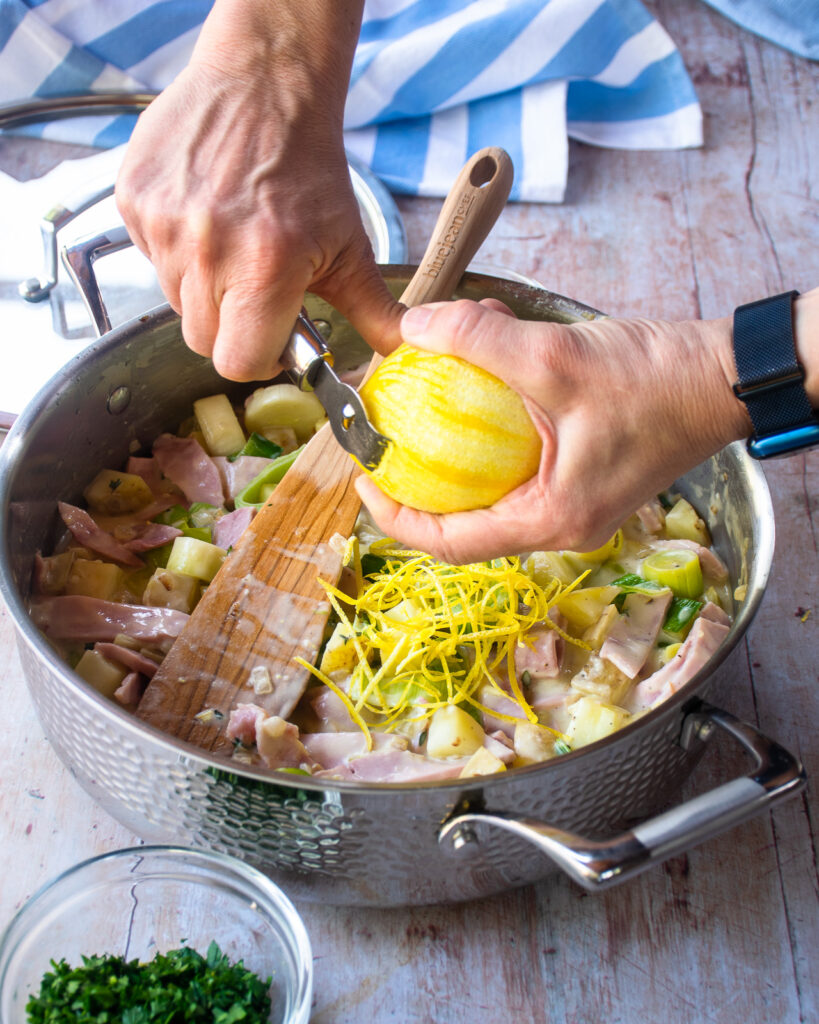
(79,260)
(35,289)
(597,865)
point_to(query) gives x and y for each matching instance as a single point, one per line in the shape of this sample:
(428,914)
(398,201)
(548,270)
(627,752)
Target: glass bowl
(143,900)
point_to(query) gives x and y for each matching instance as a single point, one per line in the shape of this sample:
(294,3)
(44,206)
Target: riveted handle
(598,865)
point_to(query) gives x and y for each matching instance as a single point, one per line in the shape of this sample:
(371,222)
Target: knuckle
(458,321)
(235,365)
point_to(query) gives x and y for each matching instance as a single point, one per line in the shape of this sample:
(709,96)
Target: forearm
(307,44)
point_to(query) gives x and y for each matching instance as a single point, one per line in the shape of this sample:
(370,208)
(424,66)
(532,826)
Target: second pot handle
(597,865)
(79,260)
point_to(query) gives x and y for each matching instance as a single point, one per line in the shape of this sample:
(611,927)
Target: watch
(771,380)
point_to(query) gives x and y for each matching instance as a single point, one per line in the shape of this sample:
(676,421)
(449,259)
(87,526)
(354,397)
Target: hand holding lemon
(576,426)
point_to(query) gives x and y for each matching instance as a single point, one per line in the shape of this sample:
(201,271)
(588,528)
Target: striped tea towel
(432,81)
(793,24)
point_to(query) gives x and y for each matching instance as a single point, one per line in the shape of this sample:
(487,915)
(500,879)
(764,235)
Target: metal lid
(38,336)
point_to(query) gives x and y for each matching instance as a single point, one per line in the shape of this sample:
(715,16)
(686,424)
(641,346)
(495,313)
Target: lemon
(462,439)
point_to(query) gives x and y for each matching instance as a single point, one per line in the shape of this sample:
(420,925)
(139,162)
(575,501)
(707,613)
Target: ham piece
(186,463)
(132,660)
(544,657)
(86,532)
(242,723)
(652,516)
(229,528)
(279,745)
(334,749)
(88,619)
(150,472)
(127,527)
(393,765)
(702,641)
(330,711)
(152,535)
(276,740)
(130,690)
(494,701)
(236,475)
(632,636)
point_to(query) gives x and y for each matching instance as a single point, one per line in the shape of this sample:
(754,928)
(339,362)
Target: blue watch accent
(771,380)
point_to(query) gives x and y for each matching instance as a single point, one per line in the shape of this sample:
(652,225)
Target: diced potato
(533,743)
(219,425)
(668,653)
(102,673)
(601,679)
(482,762)
(598,631)
(543,566)
(404,611)
(453,733)
(283,405)
(166,589)
(193,557)
(95,579)
(340,653)
(591,720)
(683,521)
(583,607)
(115,493)
(284,437)
(123,640)
(199,437)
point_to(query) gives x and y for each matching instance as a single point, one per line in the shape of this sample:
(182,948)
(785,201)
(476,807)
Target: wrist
(806,339)
(733,413)
(302,52)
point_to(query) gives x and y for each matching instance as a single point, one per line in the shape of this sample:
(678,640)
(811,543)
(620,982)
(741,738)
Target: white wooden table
(729,932)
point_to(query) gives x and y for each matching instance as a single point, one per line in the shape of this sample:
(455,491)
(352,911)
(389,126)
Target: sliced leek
(678,569)
(680,618)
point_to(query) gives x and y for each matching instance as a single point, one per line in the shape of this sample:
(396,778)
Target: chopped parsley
(178,987)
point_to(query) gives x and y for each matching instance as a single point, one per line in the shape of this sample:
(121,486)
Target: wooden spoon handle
(472,207)
(266,604)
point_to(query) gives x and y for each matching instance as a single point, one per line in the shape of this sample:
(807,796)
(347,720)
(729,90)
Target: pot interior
(140,380)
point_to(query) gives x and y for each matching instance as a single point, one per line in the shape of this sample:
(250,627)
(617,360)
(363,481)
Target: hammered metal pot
(344,842)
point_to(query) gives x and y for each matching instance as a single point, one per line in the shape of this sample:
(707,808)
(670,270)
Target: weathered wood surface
(729,932)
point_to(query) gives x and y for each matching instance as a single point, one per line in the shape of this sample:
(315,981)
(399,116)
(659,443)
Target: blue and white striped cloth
(433,80)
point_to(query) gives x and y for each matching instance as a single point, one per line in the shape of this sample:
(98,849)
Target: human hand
(623,408)
(236,185)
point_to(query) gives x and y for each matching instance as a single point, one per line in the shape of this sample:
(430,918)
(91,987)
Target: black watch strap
(770,379)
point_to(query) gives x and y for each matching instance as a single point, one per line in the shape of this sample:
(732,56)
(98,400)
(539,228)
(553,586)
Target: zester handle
(305,349)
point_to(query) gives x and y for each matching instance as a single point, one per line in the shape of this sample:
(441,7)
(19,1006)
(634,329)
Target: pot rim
(174,748)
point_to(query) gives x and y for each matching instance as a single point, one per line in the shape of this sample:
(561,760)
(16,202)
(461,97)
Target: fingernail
(415,320)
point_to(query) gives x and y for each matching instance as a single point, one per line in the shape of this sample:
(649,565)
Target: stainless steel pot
(376,844)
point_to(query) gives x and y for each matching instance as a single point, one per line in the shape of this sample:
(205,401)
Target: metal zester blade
(308,363)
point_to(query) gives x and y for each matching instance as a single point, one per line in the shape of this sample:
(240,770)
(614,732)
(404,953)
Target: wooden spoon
(265,605)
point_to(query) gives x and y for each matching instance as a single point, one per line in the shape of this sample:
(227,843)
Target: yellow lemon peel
(461,437)
(427,634)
